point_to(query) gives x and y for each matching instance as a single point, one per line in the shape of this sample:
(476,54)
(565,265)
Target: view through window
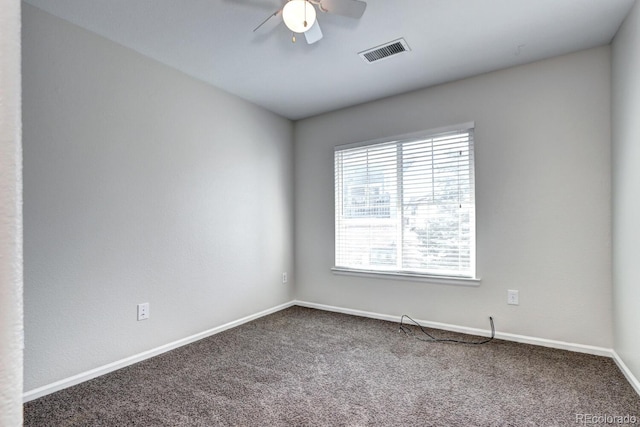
(407,206)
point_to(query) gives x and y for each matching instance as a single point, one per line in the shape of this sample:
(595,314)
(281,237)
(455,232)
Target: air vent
(385,51)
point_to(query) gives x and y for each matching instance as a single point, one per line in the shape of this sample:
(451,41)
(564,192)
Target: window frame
(401,274)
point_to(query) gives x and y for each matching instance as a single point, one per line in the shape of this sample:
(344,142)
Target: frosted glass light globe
(294,12)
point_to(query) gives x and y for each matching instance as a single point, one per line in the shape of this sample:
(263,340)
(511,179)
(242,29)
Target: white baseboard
(580,348)
(93,373)
(627,372)
(101,370)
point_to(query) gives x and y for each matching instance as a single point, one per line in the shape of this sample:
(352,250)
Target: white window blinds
(407,206)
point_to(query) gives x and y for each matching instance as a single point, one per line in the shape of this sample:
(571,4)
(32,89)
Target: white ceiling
(213,40)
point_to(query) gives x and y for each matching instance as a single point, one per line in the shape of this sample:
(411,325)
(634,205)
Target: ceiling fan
(300,16)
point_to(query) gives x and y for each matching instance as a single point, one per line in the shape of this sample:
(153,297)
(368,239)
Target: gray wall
(626,189)
(543,200)
(11,324)
(141,185)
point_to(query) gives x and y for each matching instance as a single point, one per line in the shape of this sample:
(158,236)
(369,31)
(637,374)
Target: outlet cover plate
(143,311)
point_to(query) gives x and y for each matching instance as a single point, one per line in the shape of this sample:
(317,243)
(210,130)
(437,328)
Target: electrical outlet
(512,297)
(143,311)
(285,279)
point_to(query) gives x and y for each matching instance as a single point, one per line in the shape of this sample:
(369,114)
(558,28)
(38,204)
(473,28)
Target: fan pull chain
(305,13)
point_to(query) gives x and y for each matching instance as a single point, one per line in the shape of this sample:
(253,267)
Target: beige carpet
(304,367)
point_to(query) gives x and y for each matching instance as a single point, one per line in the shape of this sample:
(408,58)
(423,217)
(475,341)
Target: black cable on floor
(409,332)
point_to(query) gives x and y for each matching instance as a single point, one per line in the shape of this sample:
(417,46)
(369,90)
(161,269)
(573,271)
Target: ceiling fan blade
(314,33)
(350,8)
(272,23)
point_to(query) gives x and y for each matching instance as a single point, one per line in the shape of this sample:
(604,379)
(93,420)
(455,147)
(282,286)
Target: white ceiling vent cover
(384,51)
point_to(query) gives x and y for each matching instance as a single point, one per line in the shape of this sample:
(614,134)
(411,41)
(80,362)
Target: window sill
(417,277)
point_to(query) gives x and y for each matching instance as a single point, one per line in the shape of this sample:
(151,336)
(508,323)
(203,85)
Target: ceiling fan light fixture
(299,15)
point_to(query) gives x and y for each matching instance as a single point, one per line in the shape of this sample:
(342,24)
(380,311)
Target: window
(407,206)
